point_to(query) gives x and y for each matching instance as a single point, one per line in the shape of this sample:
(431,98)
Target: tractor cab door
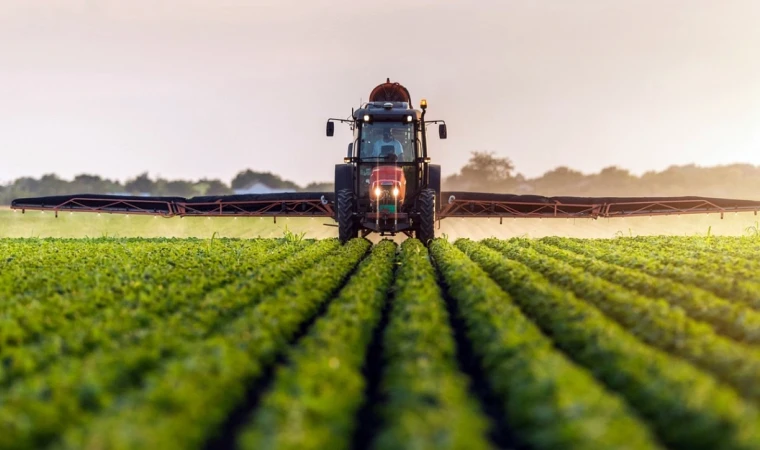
(387,143)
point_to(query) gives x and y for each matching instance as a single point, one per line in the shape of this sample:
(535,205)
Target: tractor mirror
(350,149)
(442,131)
(330,128)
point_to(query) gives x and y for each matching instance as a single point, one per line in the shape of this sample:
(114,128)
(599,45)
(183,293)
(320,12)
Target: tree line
(484,172)
(143,184)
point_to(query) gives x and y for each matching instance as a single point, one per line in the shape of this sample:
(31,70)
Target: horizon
(303,183)
(188,90)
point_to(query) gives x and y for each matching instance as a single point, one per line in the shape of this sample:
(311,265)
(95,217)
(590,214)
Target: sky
(192,89)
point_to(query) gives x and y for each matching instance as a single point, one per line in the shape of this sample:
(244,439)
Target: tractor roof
(387,111)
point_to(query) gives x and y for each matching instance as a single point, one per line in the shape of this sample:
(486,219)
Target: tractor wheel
(347,227)
(426,207)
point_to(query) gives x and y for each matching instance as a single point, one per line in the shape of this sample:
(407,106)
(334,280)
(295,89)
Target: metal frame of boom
(464,208)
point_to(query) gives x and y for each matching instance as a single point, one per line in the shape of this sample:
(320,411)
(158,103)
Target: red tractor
(387,184)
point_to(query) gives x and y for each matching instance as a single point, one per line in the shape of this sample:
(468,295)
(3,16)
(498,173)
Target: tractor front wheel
(347,226)
(426,208)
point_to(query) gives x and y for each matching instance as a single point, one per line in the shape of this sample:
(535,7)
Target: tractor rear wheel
(426,207)
(347,226)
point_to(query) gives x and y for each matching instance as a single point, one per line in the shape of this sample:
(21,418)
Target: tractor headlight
(395,192)
(378,192)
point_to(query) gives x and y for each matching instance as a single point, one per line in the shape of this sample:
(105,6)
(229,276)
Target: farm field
(646,342)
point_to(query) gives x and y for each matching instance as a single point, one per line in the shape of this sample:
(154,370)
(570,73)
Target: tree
(26,184)
(248,178)
(139,185)
(613,180)
(560,181)
(180,188)
(51,184)
(319,187)
(484,172)
(93,184)
(213,187)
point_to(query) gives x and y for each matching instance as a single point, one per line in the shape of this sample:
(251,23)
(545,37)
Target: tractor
(386,183)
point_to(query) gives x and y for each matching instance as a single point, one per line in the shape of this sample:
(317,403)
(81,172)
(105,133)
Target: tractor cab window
(382,140)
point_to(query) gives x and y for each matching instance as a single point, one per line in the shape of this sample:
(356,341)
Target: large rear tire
(347,226)
(426,207)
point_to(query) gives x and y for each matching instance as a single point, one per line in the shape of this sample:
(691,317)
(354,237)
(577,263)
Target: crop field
(297,343)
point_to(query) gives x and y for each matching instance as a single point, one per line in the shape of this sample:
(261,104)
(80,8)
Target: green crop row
(730,319)
(727,263)
(127,332)
(728,287)
(107,319)
(653,321)
(427,403)
(73,390)
(130,275)
(687,408)
(50,275)
(550,402)
(49,296)
(184,404)
(739,246)
(315,396)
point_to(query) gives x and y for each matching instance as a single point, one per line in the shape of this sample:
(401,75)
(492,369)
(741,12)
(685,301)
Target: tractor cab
(387,152)
(386,176)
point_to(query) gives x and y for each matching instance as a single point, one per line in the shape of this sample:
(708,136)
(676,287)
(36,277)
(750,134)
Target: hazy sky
(191,88)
